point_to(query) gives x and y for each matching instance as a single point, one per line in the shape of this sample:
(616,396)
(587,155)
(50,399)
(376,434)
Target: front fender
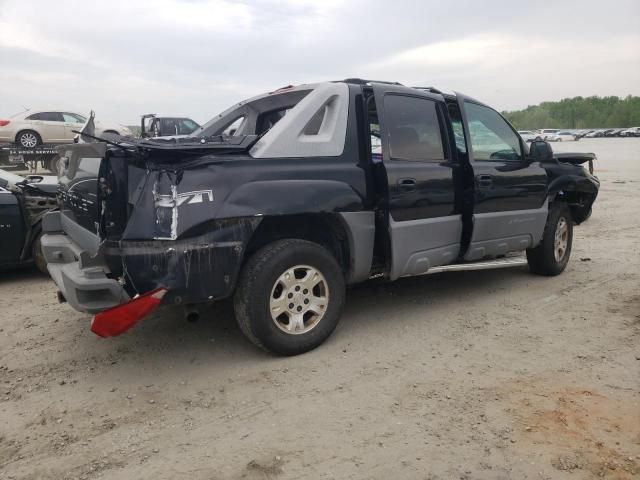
(573,183)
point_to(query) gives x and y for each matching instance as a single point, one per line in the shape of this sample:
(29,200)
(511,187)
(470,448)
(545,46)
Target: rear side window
(233,127)
(35,116)
(491,136)
(51,117)
(413,129)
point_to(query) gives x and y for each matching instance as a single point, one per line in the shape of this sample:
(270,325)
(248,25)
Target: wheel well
(27,130)
(324,229)
(579,203)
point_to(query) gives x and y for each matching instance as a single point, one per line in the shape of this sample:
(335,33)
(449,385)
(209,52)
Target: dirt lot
(480,375)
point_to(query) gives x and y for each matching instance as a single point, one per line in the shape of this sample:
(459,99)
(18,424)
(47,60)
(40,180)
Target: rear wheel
(28,139)
(552,255)
(289,296)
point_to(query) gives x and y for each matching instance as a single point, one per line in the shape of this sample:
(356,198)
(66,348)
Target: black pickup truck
(319,186)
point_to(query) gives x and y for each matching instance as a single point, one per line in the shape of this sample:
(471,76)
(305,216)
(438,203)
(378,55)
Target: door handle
(407,184)
(484,180)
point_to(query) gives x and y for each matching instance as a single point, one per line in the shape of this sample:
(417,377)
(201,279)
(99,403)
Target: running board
(486,265)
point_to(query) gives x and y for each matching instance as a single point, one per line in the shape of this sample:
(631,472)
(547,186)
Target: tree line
(579,112)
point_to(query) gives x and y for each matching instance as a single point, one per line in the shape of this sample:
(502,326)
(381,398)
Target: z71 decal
(186,198)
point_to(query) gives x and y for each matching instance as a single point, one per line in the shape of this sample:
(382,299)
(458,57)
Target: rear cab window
(414,131)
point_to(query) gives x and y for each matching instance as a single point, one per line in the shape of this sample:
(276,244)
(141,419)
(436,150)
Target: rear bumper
(192,270)
(85,287)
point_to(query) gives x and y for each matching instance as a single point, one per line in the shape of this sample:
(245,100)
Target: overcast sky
(196,57)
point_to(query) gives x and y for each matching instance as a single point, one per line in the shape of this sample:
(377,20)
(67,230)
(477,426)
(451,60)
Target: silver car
(527,135)
(32,128)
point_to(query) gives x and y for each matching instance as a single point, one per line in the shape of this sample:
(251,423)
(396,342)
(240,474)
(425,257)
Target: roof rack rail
(429,89)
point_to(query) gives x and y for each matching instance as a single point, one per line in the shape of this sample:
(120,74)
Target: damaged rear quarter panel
(188,229)
(172,203)
(195,269)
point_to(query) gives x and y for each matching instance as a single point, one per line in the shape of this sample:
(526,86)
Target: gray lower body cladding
(197,269)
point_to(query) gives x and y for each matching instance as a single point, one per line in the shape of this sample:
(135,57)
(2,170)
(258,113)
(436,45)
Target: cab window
(491,136)
(51,117)
(413,129)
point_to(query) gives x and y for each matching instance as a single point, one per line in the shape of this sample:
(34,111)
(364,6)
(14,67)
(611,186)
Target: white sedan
(562,136)
(32,128)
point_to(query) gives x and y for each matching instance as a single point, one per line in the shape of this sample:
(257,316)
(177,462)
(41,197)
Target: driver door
(510,200)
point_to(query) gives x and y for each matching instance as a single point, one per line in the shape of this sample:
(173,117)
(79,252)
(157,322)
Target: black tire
(38,257)
(542,259)
(53,164)
(259,281)
(23,139)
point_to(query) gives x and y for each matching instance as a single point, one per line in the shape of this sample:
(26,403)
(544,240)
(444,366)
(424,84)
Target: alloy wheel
(28,140)
(299,299)
(561,239)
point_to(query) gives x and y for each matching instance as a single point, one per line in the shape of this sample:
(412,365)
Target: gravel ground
(479,375)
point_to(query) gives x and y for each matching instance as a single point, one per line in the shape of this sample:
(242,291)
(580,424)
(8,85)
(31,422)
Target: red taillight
(119,319)
(4,123)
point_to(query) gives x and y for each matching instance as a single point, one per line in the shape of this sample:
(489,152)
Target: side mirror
(540,151)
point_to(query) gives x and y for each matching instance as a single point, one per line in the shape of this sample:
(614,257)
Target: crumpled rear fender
(201,267)
(286,197)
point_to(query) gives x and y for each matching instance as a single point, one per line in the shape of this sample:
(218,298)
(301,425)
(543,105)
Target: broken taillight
(4,123)
(117,320)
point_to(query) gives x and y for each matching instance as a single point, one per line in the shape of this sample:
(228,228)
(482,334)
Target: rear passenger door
(50,126)
(510,204)
(424,223)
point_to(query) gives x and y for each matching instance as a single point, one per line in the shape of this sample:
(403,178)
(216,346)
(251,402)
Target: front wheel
(552,255)
(289,296)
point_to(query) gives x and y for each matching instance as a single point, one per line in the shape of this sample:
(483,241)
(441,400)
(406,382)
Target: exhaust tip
(191,313)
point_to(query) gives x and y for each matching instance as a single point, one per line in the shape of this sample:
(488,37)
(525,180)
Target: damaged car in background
(315,187)
(23,203)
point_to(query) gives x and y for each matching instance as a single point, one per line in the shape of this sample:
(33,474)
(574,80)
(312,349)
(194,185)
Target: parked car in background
(23,203)
(583,133)
(614,132)
(631,132)
(595,134)
(543,133)
(527,135)
(153,126)
(32,128)
(562,136)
